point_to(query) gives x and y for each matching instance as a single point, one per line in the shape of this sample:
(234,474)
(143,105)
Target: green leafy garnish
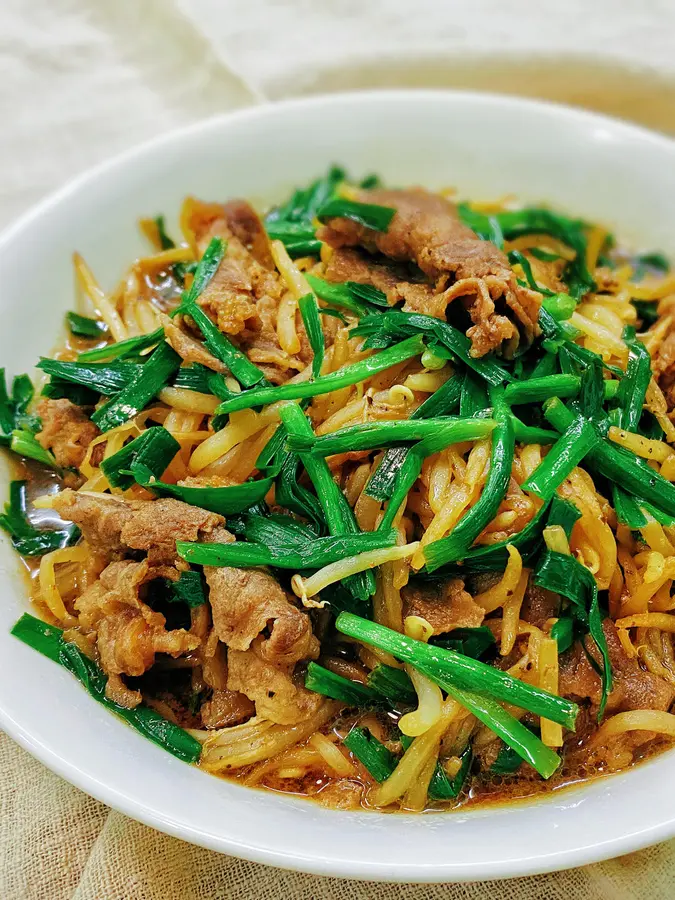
(324,384)
(456,545)
(337,512)
(320,552)
(382,329)
(188,589)
(105,378)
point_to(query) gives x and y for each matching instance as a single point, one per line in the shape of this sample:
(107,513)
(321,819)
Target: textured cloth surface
(81,80)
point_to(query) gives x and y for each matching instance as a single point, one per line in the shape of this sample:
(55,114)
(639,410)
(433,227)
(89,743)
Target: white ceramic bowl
(485,145)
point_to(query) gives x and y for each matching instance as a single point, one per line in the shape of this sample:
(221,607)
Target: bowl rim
(125,802)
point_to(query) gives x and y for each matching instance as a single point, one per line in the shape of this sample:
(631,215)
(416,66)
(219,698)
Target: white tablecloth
(81,80)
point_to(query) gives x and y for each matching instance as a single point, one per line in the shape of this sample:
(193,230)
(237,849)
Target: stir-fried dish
(370,499)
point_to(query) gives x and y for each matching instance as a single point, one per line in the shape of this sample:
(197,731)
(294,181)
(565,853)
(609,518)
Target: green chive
(372,754)
(337,512)
(324,384)
(374,435)
(568,451)
(534,390)
(48,640)
(457,544)
(24,443)
(369,215)
(123,349)
(27,540)
(155,448)
(319,552)
(351,693)
(149,381)
(619,465)
(104,378)
(83,326)
(393,324)
(564,575)
(221,500)
(309,310)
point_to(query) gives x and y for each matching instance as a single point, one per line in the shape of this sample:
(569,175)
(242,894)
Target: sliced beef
(189,348)
(247,273)
(445,606)
(428,232)
(156,525)
(266,635)
(100,518)
(128,632)
(243,296)
(539,605)
(246,602)
(226,708)
(634,688)
(66,430)
(278,695)
(115,526)
(663,355)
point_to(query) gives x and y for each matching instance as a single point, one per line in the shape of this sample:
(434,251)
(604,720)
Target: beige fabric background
(81,80)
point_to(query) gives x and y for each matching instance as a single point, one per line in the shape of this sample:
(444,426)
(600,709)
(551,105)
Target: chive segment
(154,448)
(631,396)
(48,640)
(535,390)
(317,553)
(565,575)
(309,310)
(105,378)
(351,693)
(457,544)
(153,376)
(26,539)
(568,451)
(374,435)
(385,327)
(337,512)
(371,753)
(464,673)
(370,215)
(324,384)
(24,443)
(619,465)
(221,500)
(132,346)
(84,326)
